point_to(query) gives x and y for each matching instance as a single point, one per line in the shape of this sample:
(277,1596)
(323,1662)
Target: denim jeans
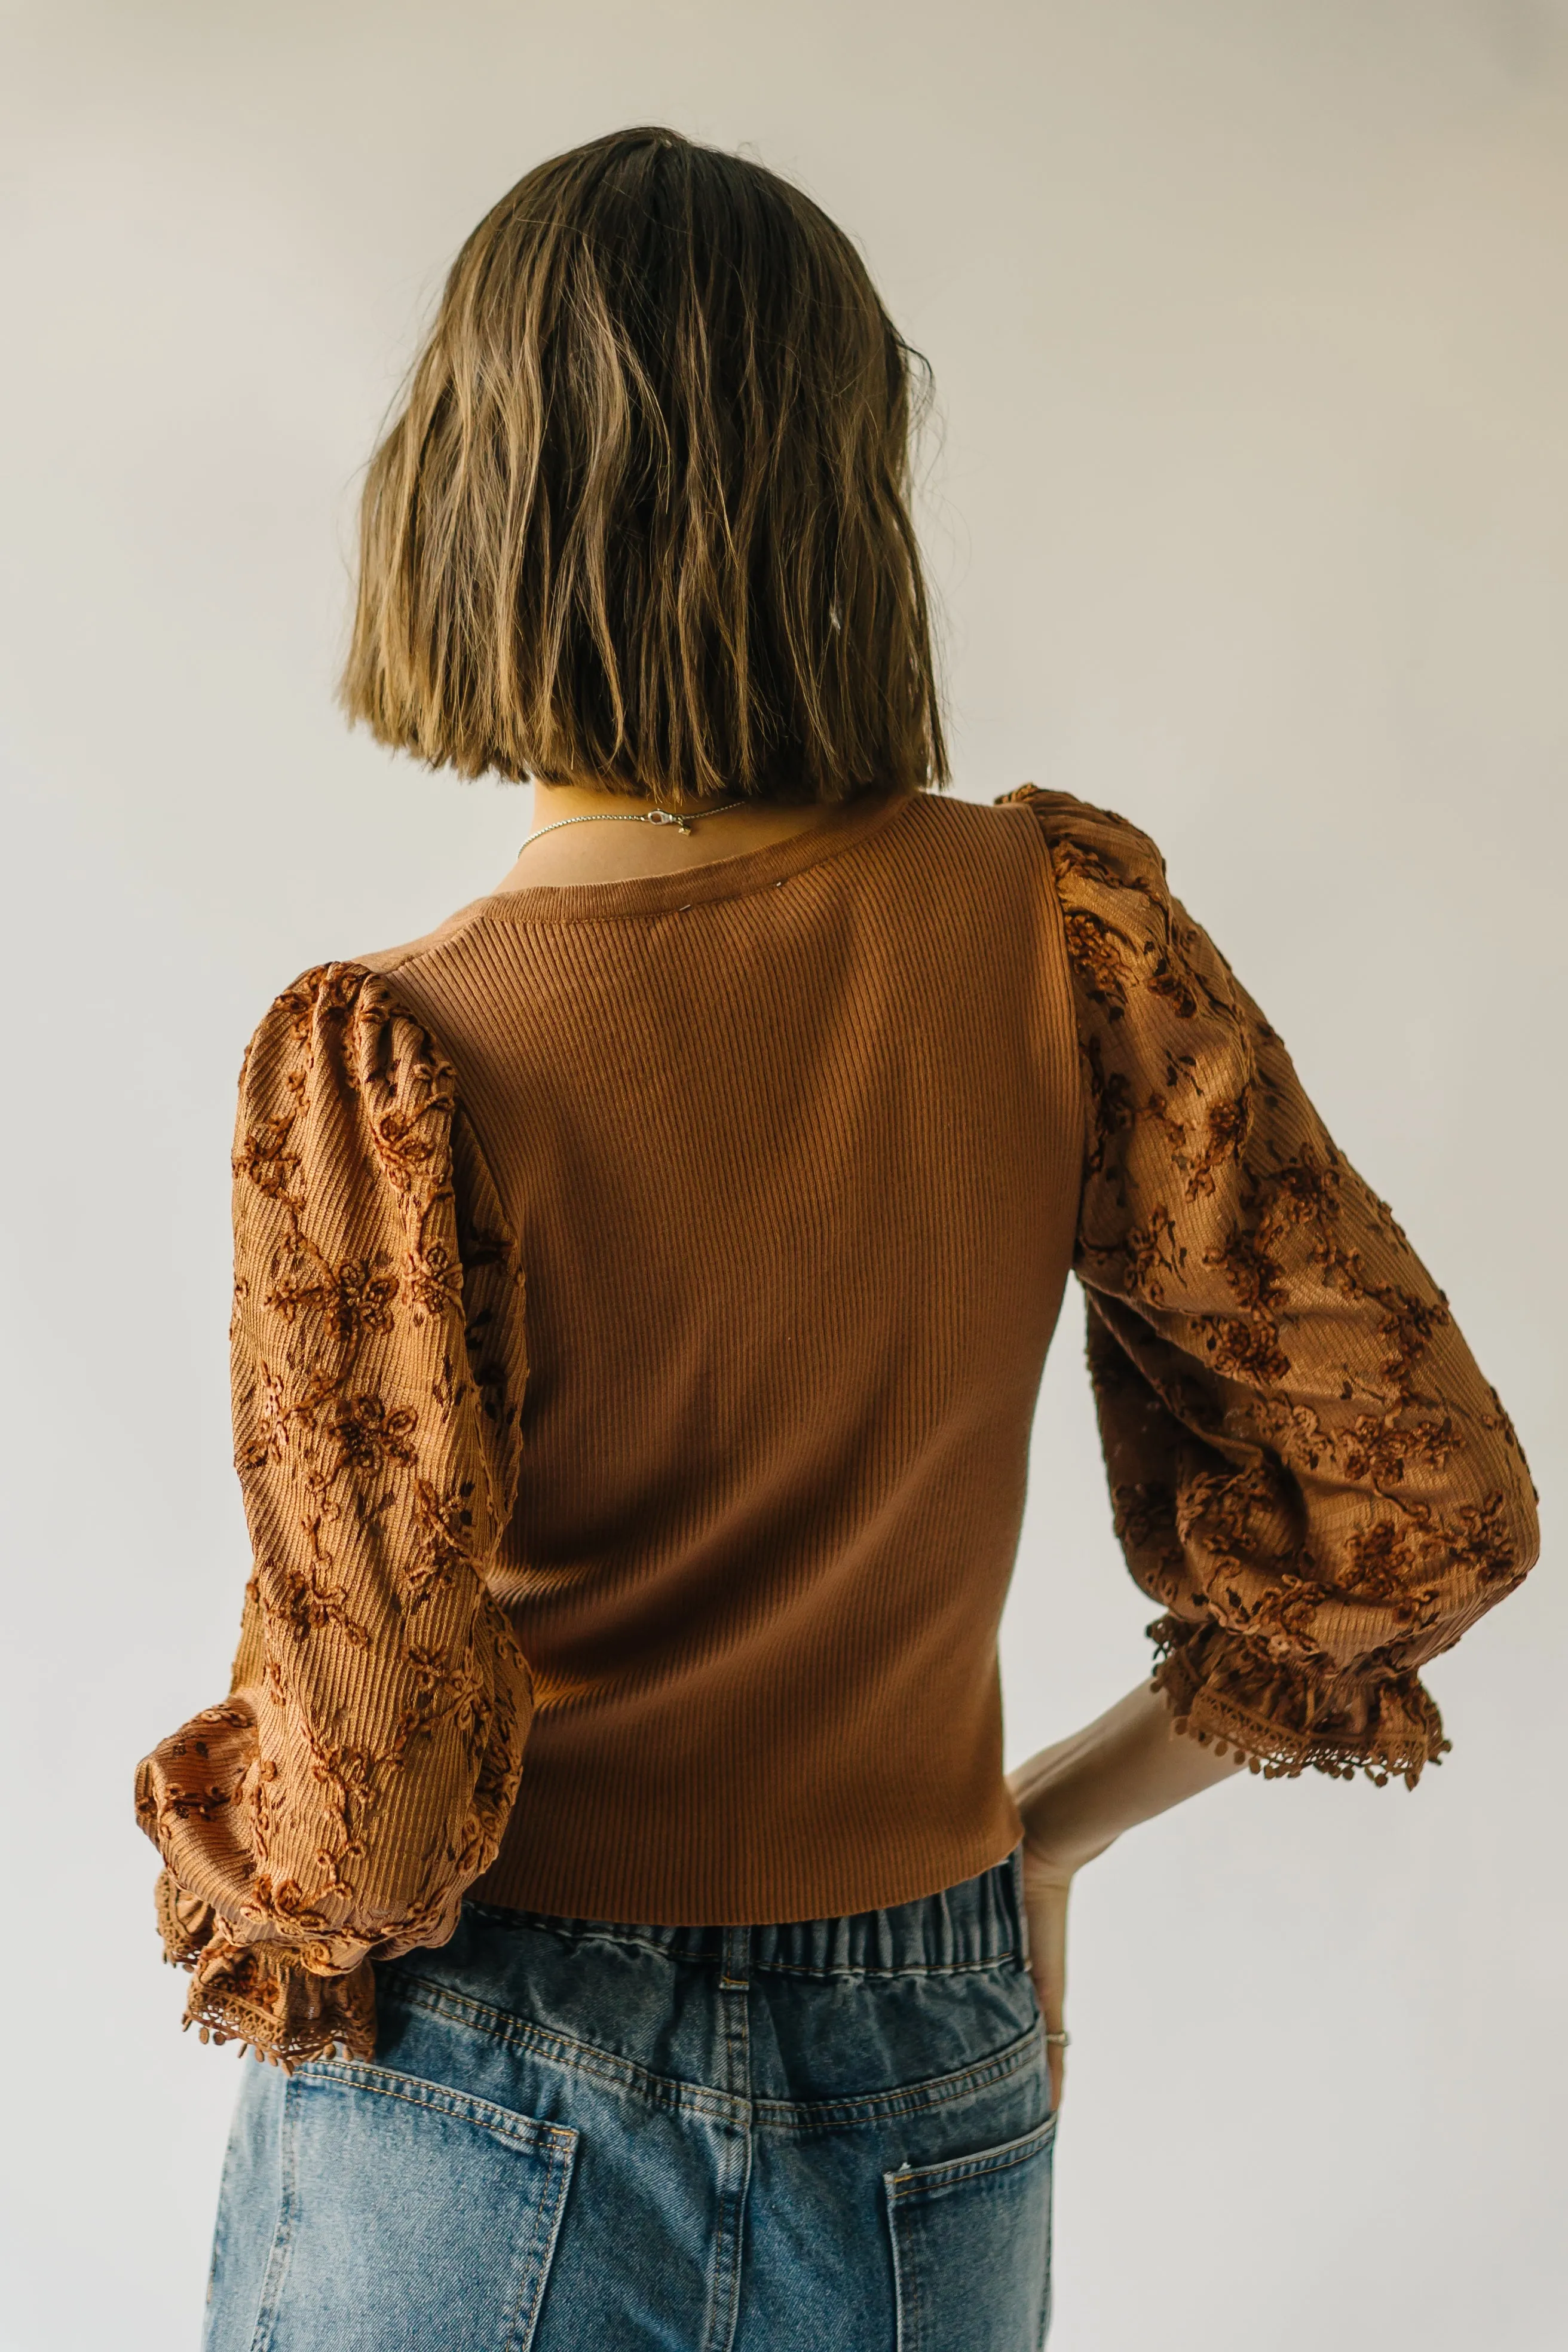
(579,2136)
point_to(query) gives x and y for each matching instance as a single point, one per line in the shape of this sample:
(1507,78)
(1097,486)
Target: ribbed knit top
(642,1290)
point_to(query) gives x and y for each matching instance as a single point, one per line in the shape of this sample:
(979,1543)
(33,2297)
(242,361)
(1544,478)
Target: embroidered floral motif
(377,1381)
(1309,1472)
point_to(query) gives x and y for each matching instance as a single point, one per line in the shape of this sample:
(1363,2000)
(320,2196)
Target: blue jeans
(576,2137)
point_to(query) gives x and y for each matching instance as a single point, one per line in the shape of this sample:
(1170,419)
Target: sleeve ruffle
(1229,1690)
(267,1998)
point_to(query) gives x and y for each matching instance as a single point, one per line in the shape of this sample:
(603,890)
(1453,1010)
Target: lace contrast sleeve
(1309,1473)
(357,1777)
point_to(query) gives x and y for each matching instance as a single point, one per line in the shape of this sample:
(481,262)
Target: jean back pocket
(972,2248)
(411,2215)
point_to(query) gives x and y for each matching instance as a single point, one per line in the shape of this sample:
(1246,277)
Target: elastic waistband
(978,1923)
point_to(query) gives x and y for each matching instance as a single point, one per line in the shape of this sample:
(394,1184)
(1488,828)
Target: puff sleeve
(359,1774)
(1309,1472)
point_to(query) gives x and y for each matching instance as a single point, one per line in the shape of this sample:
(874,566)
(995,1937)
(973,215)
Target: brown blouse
(641,1294)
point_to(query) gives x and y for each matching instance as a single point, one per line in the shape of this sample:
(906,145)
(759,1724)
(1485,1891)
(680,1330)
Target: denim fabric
(577,2137)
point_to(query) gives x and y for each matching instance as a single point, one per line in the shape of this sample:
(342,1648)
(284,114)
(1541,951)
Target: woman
(642,1287)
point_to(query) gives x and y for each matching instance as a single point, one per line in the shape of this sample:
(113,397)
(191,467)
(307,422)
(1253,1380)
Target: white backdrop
(1248,519)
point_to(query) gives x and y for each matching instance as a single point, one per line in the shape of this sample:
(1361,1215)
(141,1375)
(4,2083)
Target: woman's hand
(1074,1801)
(1047,1886)
(1048,1793)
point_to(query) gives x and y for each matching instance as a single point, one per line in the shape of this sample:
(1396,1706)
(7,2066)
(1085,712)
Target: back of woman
(791,1146)
(643,1283)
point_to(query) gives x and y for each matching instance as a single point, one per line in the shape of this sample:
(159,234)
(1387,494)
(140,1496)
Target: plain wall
(1248,516)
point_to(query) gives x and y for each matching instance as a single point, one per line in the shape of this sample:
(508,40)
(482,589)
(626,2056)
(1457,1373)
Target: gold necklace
(638,816)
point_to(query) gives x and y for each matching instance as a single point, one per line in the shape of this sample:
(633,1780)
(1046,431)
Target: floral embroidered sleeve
(357,1778)
(1309,1472)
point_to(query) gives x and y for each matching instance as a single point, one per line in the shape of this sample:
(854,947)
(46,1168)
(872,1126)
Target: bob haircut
(643,518)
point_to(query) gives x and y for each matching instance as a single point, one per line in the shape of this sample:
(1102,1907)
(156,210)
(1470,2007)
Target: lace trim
(1228,1689)
(269,2003)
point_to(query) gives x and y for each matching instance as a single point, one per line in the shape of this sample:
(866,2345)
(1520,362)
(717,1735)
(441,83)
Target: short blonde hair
(643,520)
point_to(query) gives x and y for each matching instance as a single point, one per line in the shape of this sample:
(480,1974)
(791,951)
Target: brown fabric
(642,1290)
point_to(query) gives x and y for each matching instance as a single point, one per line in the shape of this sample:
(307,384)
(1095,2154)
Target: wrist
(1051,1851)
(1063,1826)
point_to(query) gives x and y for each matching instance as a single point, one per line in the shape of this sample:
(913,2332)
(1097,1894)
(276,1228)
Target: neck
(583,797)
(619,853)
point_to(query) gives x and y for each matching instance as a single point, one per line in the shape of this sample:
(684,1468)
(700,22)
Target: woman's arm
(1076,1798)
(1310,1473)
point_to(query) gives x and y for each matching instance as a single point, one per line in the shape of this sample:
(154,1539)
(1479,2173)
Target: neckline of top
(720,877)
